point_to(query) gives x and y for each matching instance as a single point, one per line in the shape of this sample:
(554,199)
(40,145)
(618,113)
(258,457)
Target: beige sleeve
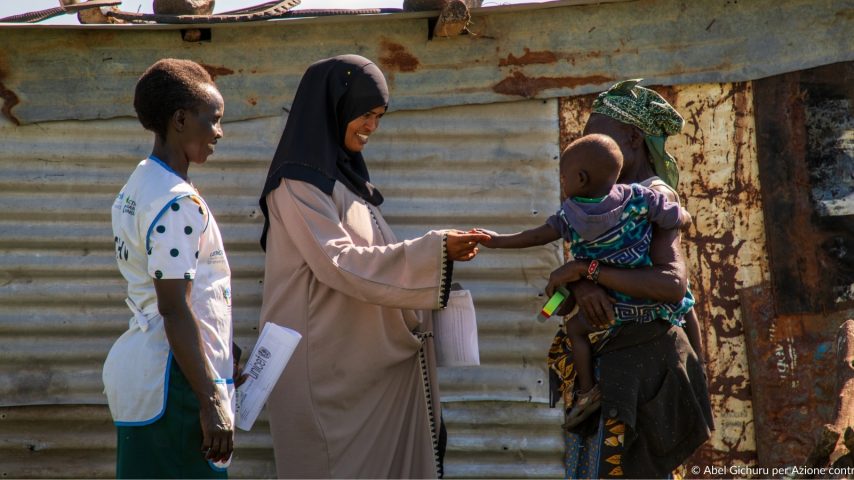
(408,274)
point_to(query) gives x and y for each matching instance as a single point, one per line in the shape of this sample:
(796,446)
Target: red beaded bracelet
(593,271)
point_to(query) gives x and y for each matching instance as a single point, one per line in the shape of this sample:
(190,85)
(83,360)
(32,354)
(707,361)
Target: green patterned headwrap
(630,103)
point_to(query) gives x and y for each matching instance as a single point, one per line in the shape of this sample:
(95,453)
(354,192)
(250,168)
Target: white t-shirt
(164,230)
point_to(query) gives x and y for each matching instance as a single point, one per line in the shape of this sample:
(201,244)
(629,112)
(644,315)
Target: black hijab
(331,94)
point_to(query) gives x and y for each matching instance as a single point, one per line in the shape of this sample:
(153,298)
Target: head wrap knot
(630,103)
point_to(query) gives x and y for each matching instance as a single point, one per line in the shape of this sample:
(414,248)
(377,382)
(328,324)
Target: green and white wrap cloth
(630,103)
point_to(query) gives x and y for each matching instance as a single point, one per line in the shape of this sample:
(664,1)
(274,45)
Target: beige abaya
(352,402)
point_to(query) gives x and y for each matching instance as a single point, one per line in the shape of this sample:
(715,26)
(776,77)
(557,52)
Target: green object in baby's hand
(554,303)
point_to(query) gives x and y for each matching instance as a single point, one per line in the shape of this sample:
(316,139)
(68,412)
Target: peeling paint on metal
(518,84)
(529,58)
(547,57)
(10,99)
(217,71)
(726,245)
(395,58)
(793,398)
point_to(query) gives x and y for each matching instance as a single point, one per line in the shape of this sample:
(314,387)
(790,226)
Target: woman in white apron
(168,378)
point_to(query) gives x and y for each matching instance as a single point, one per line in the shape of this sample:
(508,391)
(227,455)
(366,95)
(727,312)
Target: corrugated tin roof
(546,51)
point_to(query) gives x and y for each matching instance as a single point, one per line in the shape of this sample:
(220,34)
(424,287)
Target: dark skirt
(171,446)
(655,409)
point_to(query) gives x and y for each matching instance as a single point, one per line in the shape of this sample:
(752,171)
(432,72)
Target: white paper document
(266,363)
(455,331)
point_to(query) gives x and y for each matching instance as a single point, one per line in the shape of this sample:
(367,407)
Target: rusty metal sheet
(830,151)
(828,93)
(800,118)
(51,73)
(725,248)
(792,360)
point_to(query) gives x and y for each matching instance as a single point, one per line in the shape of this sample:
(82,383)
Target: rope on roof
(40,15)
(272,10)
(264,11)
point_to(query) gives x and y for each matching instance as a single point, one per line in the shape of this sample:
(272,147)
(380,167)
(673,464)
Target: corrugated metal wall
(61,298)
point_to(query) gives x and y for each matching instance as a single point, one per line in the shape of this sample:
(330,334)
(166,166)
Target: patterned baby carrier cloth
(626,245)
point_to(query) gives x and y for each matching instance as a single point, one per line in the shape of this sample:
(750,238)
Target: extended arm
(529,238)
(406,274)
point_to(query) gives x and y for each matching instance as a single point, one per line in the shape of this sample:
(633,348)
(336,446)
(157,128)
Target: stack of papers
(269,357)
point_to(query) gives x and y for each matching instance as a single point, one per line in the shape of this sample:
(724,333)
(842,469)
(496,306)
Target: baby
(608,223)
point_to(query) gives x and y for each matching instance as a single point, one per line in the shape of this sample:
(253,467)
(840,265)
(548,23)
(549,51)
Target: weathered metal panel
(829,125)
(61,297)
(49,73)
(792,360)
(803,119)
(830,135)
(725,247)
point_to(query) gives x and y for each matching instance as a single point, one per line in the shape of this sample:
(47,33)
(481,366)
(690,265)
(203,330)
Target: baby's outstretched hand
(482,231)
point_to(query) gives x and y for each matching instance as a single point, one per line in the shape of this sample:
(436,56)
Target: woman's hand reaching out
(462,246)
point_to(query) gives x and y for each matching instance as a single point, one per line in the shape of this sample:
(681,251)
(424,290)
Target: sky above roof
(8,8)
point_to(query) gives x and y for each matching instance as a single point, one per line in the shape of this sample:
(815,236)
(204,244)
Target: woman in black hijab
(358,397)
(312,149)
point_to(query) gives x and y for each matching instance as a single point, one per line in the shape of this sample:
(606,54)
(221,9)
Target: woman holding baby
(629,361)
